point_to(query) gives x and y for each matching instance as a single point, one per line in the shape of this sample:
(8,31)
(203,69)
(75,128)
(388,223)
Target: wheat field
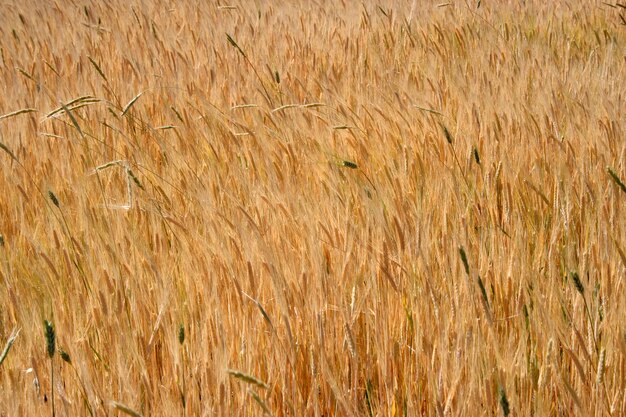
(251,208)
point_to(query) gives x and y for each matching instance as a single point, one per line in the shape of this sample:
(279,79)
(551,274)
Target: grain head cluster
(325,208)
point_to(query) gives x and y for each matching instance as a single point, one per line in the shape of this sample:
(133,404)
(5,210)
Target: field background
(296,185)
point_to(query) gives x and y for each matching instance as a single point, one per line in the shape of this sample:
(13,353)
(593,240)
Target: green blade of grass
(234,44)
(616,178)
(98,69)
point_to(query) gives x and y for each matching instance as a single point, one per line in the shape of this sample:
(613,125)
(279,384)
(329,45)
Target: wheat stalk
(125,409)
(51,348)
(9,344)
